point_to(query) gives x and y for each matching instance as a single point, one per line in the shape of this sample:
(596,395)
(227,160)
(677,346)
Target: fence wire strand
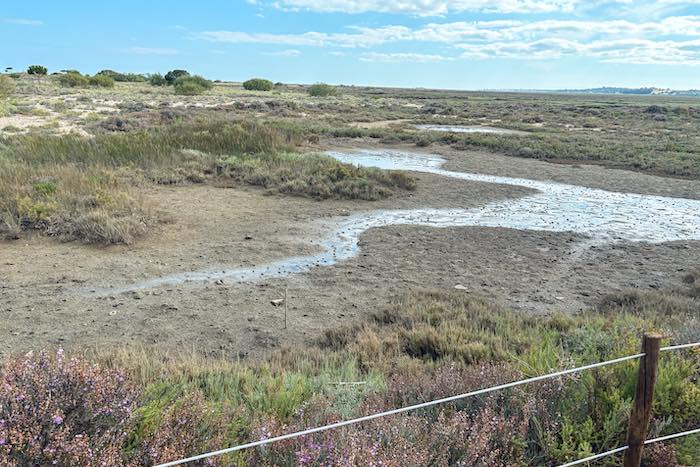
(624,448)
(353,421)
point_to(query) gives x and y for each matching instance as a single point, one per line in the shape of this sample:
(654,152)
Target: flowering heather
(62,411)
(487,432)
(189,426)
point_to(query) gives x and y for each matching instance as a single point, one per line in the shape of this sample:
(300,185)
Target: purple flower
(58,420)
(2,441)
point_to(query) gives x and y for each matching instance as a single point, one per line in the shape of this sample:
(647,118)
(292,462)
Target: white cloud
(669,40)
(362,37)
(403,57)
(427,7)
(151,51)
(631,51)
(284,53)
(22,21)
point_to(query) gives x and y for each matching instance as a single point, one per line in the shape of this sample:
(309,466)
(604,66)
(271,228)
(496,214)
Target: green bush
(7,86)
(37,70)
(322,90)
(73,80)
(258,84)
(192,85)
(102,81)
(188,88)
(156,79)
(173,75)
(122,77)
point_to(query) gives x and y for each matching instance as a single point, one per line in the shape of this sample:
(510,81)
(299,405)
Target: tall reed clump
(315,176)
(86,189)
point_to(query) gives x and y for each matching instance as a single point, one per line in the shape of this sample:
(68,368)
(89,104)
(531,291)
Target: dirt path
(43,284)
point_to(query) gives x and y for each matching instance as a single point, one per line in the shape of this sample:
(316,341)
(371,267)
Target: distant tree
(8,69)
(258,84)
(37,70)
(173,75)
(322,90)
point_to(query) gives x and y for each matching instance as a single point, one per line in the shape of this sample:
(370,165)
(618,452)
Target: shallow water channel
(601,215)
(470,129)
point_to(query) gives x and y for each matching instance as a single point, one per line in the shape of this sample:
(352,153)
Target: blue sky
(460,44)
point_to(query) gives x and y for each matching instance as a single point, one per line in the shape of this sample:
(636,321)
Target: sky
(453,44)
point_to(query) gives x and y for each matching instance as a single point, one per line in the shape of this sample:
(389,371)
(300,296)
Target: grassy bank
(425,345)
(89,188)
(666,153)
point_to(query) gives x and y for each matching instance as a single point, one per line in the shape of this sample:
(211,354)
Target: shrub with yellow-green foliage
(258,84)
(191,85)
(102,81)
(73,80)
(322,90)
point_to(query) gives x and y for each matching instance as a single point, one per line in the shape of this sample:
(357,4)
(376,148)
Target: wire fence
(354,421)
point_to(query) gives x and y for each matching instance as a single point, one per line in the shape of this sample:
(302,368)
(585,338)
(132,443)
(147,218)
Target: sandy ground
(45,286)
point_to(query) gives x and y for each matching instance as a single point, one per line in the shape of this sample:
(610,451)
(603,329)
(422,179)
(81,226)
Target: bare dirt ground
(45,285)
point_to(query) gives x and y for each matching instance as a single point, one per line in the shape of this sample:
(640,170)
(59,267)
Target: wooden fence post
(643,398)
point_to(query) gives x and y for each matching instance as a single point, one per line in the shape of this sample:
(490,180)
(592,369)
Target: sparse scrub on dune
(7,87)
(156,79)
(73,80)
(189,404)
(122,77)
(102,81)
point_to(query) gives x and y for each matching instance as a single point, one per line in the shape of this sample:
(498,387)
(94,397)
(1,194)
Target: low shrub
(192,85)
(37,70)
(322,90)
(156,79)
(59,411)
(102,81)
(258,84)
(73,80)
(122,77)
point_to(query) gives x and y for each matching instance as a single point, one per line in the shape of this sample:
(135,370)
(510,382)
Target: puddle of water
(470,129)
(603,216)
